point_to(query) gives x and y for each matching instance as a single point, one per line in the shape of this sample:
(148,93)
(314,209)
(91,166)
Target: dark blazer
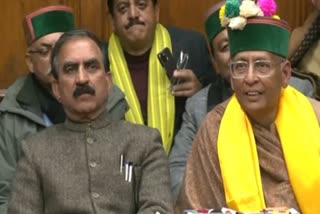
(195,45)
(75,168)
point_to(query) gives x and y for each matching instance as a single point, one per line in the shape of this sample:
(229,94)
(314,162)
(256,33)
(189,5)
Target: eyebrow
(121,2)
(91,61)
(69,64)
(86,63)
(46,45)
(223,42)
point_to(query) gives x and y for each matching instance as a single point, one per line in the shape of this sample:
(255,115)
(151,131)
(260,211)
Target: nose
(250,78)
(133,13)
(82,77)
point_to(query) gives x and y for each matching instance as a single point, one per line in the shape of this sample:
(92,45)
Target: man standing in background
(205,100)
(132,49)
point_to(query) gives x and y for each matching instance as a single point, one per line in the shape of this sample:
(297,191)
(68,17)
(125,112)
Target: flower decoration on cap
(223,19)
(268,7)
(248,9)
(232,8)
(236,12)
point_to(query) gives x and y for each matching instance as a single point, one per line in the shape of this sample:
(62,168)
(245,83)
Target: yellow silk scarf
(299,133)
(161,104)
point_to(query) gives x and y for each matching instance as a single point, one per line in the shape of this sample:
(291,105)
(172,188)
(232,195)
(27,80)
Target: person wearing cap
(90,163)
(29,105)
(133,47)
(203,101)
(198,105)
(260,148)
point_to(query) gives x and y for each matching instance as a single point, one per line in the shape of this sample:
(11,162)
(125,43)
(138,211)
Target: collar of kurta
(100,122)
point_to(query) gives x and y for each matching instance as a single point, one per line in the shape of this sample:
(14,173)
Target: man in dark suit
(133,47)
(89,164)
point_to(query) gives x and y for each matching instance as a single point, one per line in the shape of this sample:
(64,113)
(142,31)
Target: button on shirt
(93,164)
(90,140)
(95,195)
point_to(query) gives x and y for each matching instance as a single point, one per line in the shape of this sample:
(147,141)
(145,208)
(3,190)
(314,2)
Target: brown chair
(2,94)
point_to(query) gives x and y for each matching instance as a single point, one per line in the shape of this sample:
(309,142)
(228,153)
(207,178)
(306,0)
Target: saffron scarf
(299,133)
(161,103)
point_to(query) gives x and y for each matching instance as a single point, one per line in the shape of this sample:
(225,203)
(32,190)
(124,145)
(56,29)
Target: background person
(133,47)
(29,106)
(203,101)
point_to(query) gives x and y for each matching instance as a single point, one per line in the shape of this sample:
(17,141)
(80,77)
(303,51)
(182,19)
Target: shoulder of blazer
(184,35)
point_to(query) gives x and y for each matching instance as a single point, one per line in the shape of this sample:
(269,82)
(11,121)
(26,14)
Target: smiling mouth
(253,93)
(253,96)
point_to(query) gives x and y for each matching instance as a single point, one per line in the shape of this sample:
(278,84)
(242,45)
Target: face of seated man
(83,84)
(259,95)
(221,54)
(38,58)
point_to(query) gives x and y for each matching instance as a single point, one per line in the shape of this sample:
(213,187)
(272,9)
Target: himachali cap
(263,31)
(47,20)
(261,34)
(212,23)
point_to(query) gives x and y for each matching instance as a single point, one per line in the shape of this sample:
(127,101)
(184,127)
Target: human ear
(55,89)
(109,81)
(29,62)
(286,73)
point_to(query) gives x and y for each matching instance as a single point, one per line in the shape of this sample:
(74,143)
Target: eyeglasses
(261,68)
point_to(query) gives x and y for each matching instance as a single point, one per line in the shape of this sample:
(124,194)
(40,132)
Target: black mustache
(133,22)
(83,89)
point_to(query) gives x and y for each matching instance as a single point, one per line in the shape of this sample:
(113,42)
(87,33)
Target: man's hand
(189,83)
